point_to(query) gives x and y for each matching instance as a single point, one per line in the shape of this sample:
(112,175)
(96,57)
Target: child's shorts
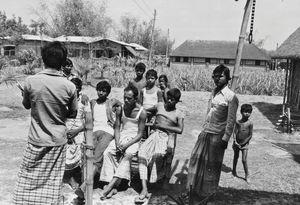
(235,147)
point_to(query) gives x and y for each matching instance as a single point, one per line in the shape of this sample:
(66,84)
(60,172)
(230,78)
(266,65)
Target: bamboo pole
(88,156)
(152,39)
(240,46)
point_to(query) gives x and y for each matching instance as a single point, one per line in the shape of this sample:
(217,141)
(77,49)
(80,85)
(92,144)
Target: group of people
(56,134)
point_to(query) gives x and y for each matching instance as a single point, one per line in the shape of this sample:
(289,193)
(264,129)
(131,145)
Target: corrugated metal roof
(218,49)
(37,37)
(78,39)
(138,47)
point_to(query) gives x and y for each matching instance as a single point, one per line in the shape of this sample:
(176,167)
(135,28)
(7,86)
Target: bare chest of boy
(243,131)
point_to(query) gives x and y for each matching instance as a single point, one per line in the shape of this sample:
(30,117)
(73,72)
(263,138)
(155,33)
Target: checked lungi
(40,176)
(151,155)
(205,164)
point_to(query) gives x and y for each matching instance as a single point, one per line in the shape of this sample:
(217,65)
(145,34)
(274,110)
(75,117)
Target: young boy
(75,136)
(242,136)
(163,85)
(103,132)
(169,121)
(149,94)
(139,81)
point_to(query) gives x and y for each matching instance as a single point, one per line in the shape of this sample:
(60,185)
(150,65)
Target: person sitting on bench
(169,121)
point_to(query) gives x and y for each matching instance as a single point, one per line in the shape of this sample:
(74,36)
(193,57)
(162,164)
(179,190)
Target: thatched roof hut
(215,52)
(290,50)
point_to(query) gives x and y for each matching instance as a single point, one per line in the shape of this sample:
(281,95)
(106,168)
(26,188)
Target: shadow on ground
(293,149)
(270,110)
(238,196)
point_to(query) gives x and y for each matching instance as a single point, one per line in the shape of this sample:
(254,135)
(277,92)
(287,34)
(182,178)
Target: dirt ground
(273,157)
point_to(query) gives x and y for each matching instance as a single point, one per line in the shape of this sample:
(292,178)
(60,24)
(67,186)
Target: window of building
(226,61)
(199,60)
(9,50)
(177,59)
(73,52)
(257,62)
(185,59)
(207,60)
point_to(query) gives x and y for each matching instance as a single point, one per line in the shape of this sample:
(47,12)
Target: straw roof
(290,48)
(218,49)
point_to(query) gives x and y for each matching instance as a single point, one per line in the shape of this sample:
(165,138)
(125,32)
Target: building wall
(295,85)
(201,60)
(106,48)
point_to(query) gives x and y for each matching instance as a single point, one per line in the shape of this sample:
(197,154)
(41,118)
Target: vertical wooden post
(89,163)
(167,49)
(240,46)
(152,39)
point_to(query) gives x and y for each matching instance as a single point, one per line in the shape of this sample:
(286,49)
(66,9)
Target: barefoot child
(169,121)
(242,136)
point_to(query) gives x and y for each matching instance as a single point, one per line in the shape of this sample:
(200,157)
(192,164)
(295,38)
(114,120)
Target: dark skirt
(40,176)
(205,164)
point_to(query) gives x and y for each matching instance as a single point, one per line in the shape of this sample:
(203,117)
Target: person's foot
(247,179)
(79,193)
(111,193)
(144,196)
(108,192)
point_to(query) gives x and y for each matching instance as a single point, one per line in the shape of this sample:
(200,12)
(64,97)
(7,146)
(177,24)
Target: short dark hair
(134,89)
(140,66)
(103,85)
(164,77)
(174,92)
(68,63)
(77,82)
(222,68)
(246,108)
(54,55)
(151,72)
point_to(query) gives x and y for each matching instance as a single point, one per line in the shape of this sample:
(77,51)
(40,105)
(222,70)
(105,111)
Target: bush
(3,62)
(26,56)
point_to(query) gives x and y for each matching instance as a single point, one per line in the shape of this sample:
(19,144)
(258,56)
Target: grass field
(273,157)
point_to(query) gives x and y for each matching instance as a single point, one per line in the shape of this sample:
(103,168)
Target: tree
(128,31)
(12,27)
(74,18)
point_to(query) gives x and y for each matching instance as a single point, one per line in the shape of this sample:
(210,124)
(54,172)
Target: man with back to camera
(52,99)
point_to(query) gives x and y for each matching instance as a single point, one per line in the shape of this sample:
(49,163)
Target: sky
(274,21)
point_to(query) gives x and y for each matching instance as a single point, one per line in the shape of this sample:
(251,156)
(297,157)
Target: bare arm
(26,98)
(247,140)
(231,118)
(72,106)
(117,125)
(174,129)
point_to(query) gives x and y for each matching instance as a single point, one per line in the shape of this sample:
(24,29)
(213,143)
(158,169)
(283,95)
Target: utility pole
(152,39)
(236,69)
(167,49)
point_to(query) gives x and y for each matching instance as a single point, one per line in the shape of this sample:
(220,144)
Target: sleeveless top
(130,125)
(150,100)
(100,119)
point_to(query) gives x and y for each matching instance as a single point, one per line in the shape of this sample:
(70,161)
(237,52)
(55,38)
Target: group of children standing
(119,128)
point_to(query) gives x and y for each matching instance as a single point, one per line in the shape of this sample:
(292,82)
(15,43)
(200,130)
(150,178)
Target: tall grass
(198,78)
